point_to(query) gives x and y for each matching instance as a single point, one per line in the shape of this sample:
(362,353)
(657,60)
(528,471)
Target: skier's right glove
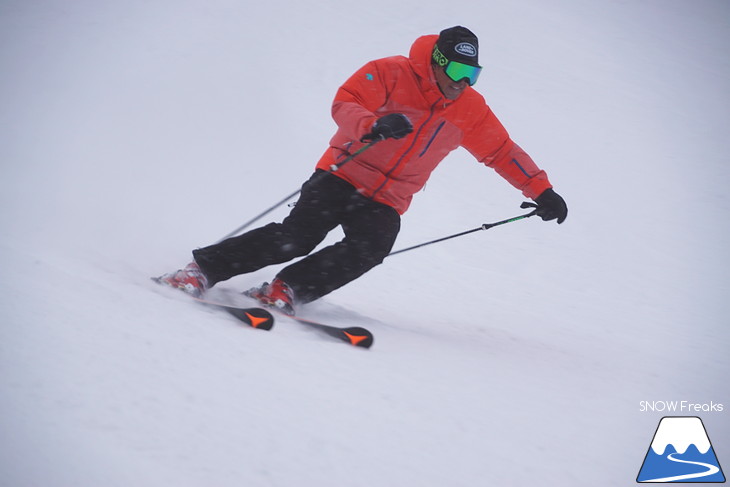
(391,126)
(551,206)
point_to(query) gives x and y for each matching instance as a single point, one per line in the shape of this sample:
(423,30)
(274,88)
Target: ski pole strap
(485,226)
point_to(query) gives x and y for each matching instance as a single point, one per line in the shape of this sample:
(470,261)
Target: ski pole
(485,226)
(332,169)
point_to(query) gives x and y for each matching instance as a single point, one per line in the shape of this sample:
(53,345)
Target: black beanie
(459,44)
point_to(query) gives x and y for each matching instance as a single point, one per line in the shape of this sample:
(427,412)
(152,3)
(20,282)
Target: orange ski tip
(355,339)
(255,320)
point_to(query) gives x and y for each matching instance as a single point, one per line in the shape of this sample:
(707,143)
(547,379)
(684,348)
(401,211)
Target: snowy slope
(132,132)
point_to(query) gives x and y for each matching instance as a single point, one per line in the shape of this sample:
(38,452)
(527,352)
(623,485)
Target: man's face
(451,89)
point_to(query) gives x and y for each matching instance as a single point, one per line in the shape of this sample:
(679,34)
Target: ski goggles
(455,70)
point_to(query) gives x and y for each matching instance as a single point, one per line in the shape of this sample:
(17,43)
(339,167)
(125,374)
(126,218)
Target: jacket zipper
(430,141)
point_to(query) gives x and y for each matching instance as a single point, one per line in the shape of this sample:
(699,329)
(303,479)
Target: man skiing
(411,112)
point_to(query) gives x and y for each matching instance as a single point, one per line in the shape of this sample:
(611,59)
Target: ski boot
(277,295)
(189,279)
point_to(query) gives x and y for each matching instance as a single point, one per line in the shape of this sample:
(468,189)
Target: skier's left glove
(550,205)
(393,125)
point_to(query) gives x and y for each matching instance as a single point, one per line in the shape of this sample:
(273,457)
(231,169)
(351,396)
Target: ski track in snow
(131,133)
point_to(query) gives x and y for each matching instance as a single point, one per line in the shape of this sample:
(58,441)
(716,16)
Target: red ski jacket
(391,171)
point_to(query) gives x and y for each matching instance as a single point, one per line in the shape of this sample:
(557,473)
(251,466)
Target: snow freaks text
(683,407)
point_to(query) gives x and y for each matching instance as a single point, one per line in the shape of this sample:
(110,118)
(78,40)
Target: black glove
(550,205)
(393,125)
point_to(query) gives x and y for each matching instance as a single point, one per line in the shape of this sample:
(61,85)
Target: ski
(263,319)
(354,335)
(255,317)
(258,318)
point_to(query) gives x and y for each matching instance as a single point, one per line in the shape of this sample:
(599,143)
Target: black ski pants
(326,201)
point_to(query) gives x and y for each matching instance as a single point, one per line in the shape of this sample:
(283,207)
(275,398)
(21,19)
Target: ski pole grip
(529,204)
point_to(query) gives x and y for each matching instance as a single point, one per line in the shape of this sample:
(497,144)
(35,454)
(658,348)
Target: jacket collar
(420,59)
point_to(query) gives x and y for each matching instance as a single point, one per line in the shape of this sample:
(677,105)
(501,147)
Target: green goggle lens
(458,71)
(455,70)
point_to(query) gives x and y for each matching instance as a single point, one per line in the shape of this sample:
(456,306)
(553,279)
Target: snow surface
(132,132)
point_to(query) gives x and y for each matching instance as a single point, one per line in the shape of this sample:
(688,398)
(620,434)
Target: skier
(416,109)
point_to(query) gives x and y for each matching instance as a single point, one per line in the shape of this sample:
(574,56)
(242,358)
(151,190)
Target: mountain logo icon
(680,452)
